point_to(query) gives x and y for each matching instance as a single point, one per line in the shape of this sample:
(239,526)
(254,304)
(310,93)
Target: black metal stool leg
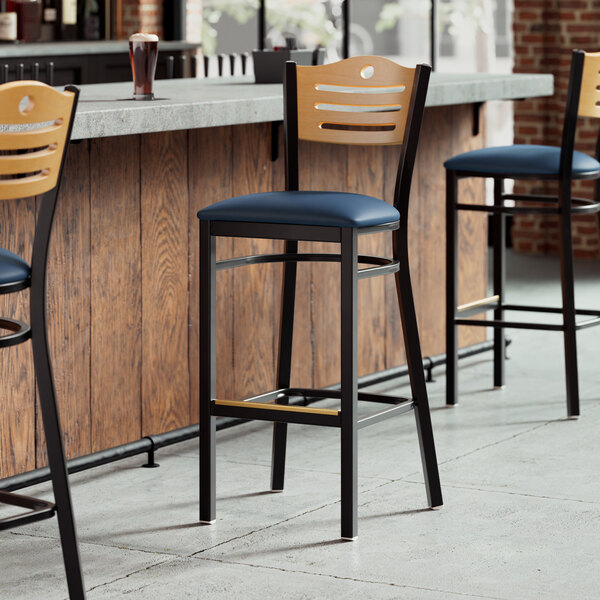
(349,382)
(499,248)
(54,443)
(416,372)
(568,298)
(207,373)
(284,365)
(451,288)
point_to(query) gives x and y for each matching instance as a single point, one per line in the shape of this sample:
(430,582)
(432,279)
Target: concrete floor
(521,486)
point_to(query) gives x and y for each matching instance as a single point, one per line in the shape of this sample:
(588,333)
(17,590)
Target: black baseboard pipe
(151,443)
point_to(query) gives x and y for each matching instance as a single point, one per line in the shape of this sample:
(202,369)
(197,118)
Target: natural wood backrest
(589,98)
(362,100)
(34,122)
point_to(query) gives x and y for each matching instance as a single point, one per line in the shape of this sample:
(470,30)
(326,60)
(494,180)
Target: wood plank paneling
(395,353)
(17,393)
(123,283)
(256,289)
(164,227)
(116,310)
(365,166)
(324,167)
(427,228)
(68,305)
(210,180)
(472,226)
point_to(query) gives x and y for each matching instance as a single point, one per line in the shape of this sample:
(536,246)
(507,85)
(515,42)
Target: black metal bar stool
(363,100)
(38,121)
(560,164)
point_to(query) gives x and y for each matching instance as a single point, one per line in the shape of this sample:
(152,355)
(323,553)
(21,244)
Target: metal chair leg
(284,365)
(416,373)
(207,273)
(451,289)
(349,382)
(568,299)
(499,248)
(54,442)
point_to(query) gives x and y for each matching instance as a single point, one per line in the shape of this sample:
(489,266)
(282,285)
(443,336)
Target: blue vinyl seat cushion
(327,209)
(12,268)
(522,160)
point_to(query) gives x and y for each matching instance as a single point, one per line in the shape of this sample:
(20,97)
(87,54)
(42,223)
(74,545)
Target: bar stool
(560,164)
(361,100)
(39,120)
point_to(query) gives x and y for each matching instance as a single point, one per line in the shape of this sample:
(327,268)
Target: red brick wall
(545,33)
(142,15)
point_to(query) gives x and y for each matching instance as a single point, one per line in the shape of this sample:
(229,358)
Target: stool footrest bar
(282,413)
(337,394)
(588,323)
(496,324)
(382,266)
(400,408)
(549,309)
(478,306)
(37,510)
(21,332)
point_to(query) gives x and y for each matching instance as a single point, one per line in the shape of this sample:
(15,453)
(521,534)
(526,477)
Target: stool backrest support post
(589,100)
(364,100)
(572,110)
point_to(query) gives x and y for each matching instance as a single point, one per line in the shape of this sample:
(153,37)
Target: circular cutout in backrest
(367,72)
(26,105)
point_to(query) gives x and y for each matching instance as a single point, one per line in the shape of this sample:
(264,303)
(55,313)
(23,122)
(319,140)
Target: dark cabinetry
(109,62)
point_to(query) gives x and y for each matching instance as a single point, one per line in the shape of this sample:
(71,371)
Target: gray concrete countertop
(107,109)
(43,49)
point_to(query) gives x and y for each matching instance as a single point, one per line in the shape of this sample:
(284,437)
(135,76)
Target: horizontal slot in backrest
(361,100)
(34,121)
(589,96)
(346,127)
(359,108)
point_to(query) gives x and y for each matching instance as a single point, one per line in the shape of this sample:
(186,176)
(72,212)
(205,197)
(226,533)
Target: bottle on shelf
(67,19)
(91,19)
(8,23)
(29,19)
(49,21)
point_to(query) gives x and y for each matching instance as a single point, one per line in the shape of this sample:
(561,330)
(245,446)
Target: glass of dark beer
(143,52)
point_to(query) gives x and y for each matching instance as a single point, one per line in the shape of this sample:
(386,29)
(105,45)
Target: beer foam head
(143,37)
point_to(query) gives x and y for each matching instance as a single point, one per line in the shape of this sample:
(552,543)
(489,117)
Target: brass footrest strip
(283,407)
(281,413)
(478,303)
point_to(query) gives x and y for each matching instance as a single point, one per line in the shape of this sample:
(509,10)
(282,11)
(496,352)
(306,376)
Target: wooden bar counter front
(123,290)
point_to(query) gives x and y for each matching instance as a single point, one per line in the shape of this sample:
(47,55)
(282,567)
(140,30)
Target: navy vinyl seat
(522,160)
(326,209)
(13,269)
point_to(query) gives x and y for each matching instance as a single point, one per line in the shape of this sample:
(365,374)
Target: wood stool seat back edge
(45,115)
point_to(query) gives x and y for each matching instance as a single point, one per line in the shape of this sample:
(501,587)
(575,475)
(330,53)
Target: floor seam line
(265,528)
(355,579)
(141,570)
(509,493)
(99,544)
